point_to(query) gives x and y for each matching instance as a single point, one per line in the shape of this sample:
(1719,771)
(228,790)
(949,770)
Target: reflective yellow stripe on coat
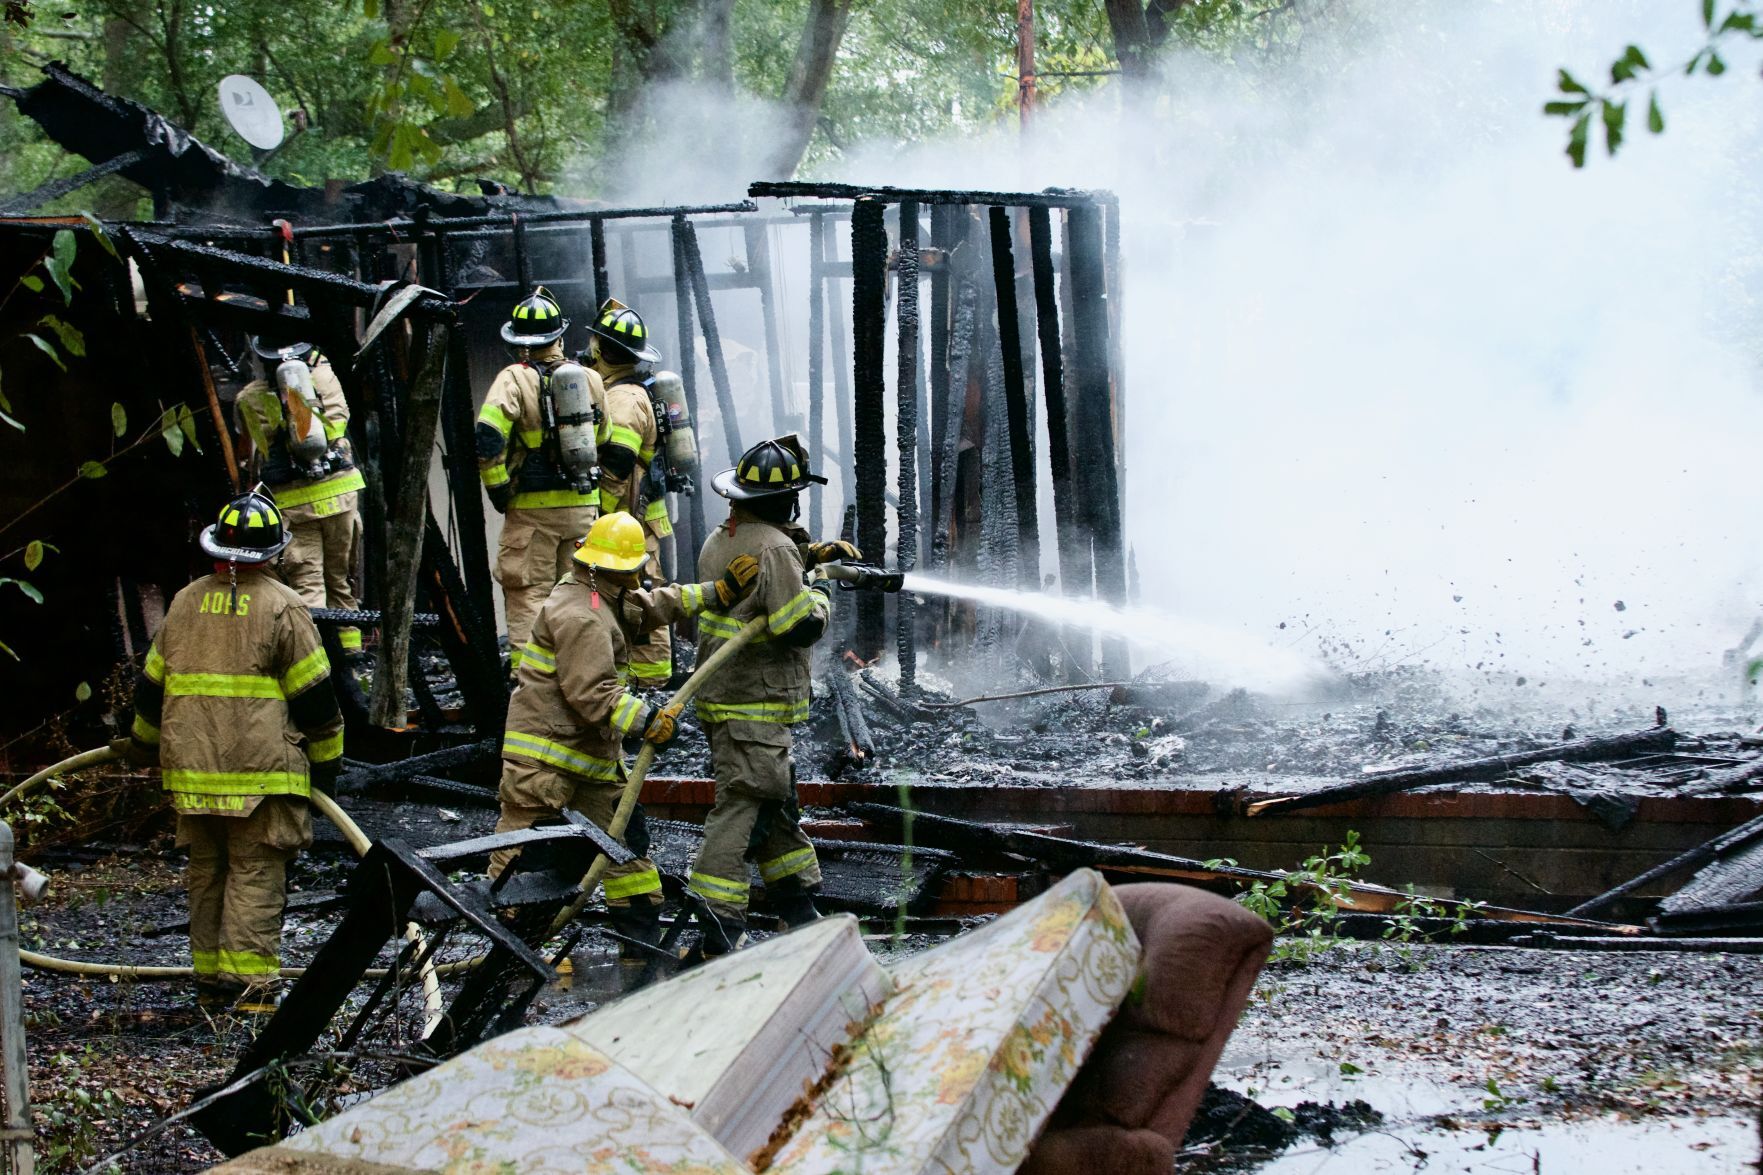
(779,713)
(553,754)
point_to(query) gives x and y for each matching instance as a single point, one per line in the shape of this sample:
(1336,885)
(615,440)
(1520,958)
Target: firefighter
(236,705)
(548,506)
(293,436)
(571,707)
(619,349)
(749,706)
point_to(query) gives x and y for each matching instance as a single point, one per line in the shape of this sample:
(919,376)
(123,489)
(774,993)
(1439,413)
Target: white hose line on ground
(358,841)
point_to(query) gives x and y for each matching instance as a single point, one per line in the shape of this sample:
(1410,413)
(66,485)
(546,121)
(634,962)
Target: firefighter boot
(639,922)
(793,903)
(723,933)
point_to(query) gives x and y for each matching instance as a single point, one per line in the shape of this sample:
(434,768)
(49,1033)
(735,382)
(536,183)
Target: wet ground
(1466,1058)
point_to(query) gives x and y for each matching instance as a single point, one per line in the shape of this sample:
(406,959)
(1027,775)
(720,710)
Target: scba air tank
(307,443)
(573,401)
(682,443)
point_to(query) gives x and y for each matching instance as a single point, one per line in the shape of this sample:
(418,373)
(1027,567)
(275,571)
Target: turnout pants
(530,793)
(754,789)
(237,882)
(536,549)
(320,564)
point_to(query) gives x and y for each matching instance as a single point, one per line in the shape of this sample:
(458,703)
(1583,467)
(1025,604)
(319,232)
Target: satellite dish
(251,111)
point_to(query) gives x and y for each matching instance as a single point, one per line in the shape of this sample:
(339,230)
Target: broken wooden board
(1702,854)
(965,837)
(1486,769)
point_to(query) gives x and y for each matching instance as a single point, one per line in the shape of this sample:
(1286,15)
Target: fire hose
(358,841)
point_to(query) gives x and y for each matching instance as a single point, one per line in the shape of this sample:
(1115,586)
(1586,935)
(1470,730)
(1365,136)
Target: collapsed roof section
(186,176)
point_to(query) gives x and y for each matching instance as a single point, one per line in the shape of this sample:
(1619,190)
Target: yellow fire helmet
(614,543)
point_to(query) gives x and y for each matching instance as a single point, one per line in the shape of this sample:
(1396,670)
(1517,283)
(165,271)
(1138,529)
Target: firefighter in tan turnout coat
(293,430)
(547,506)
(236,704)
(573,704)
(749,706)
(629,437)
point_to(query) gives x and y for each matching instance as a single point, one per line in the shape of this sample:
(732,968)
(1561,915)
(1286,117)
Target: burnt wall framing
(965,495)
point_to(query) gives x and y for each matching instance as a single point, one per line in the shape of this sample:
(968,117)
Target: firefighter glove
(135,752)
(737,581)
(814,554)
(324,775)
(500,496)
(680,483)
(818,582)
(664,724)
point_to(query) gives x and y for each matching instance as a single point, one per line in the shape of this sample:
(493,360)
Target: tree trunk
(806,88)
(1132,43)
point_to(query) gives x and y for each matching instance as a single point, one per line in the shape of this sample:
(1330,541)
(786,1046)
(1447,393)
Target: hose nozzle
(863,577)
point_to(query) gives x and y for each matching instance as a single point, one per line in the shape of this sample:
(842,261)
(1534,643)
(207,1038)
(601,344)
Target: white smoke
(1396,373)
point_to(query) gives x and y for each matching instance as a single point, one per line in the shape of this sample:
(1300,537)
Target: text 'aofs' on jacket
(236,695)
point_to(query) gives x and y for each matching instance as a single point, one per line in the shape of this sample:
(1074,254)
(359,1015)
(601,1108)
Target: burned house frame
(231,254)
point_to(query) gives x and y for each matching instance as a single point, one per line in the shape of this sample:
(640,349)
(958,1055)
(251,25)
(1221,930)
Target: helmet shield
(618,324)
(615,542)
(536,321)
(777,466)
(278,350)
(249,530)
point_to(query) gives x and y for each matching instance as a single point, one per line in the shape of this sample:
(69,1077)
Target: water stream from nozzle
(1206,652)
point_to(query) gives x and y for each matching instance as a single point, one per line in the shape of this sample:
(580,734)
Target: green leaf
(28,589)
(1567,85)
(6,413)
(1284,1114)
(187,423)
(1348,1069)
(42,344)
(7,649)
(33,554)
(1655,116)
(73,341)
(458,104)
(370,9)
(65,245)
(119,419)
(92,470)
(1615,113)
(82,692)
(1576,139)
(1707,14)
(381,54)
(63,280)
(445,42)
(98,233)
(168,428)
(31,282)
(1716,66)
(1567,109)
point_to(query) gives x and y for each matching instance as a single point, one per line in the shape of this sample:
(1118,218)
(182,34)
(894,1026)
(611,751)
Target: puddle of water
(1279,1074)
(1607,1146)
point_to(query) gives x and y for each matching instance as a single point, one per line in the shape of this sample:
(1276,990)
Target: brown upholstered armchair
(1132,1101)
